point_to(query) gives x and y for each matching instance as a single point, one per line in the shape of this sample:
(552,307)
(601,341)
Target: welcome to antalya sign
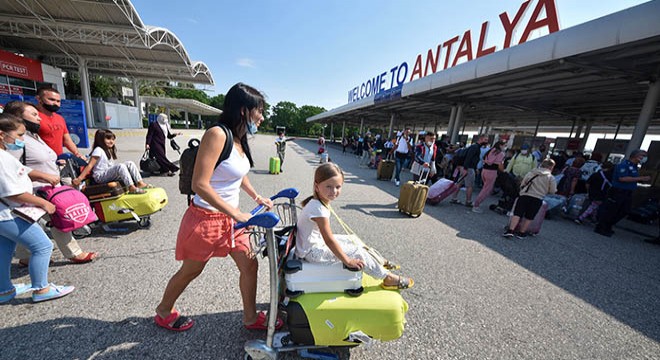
(461,48)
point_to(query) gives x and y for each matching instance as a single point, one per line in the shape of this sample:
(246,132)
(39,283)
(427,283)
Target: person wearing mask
(53,130)
(425,154)
(568,184)
(624,182)
(493,163)
(521,163)
(508,155)
(38,156)
(540,154)
(597,186)
(402,150)
(16,191)
(469,170)
(280,146)
(158,131)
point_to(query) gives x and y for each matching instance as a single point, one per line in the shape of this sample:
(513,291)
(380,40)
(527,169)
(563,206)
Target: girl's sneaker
(54,292)
(508,233)
(521,235)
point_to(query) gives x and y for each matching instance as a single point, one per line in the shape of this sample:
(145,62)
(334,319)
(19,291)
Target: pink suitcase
(535,226)
(441,190)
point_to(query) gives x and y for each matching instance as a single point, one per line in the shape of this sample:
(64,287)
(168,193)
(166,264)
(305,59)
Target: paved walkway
(566,294)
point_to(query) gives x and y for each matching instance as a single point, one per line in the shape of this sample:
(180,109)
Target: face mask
(524,152)
(31,126)
(17,145)
(644,160)
(252,128)
(51,108)
(429,143)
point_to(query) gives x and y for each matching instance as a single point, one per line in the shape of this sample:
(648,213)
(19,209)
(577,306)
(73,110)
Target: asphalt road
(566,294)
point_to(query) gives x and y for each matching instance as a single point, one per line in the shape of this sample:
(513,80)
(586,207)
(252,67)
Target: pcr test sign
(532,17)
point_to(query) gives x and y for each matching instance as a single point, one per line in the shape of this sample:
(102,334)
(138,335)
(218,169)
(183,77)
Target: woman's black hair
(99,141)
(241,98)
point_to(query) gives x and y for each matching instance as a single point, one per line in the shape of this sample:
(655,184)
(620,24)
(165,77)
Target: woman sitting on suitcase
(534,186)
(316,243)
(103,168)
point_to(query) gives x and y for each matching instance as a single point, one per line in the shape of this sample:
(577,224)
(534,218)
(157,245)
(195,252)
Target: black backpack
(187,161)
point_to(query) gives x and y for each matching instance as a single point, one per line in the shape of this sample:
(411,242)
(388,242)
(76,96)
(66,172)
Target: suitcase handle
(424,175)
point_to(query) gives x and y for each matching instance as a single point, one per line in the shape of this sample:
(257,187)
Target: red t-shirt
(52,131)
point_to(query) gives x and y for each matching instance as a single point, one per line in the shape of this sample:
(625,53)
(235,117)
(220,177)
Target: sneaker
(468,204)
(397,182)
(578,221)
(508,233)
(54,292)
(477,210)
(520,235)
(454,201)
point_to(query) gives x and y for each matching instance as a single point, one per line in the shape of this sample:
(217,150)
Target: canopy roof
(189,105)
(598,71)
(108,34)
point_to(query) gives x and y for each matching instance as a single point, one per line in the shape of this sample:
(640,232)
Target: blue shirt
(624,169)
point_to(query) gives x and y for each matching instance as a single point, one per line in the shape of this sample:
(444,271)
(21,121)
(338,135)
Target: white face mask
(644,160)
(524,152)
(429,143)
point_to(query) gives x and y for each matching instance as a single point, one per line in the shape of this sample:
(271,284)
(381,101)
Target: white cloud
(245,62)
(191,20)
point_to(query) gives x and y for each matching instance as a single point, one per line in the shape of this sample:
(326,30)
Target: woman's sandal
(403,283)
(178,322)
(262,322)
(89,258)
(391,266)
(148,186)
(137,191)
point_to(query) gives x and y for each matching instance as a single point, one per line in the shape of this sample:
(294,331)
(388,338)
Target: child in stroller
(510,189)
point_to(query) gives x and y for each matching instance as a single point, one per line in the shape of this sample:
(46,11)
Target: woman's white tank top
(226,180)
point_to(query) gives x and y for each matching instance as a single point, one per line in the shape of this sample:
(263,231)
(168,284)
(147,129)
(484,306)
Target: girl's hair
(239,98)
(9,122)
(498,145)
(323,173)
(17,108)
(99,141)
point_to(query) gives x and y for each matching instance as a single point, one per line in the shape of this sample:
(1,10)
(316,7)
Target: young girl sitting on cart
(316,242)
(104,169)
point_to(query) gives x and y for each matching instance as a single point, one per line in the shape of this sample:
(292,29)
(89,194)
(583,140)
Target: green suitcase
(274,165)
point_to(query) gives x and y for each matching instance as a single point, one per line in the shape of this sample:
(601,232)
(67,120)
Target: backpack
(187,161)
(72,209)
(459,157)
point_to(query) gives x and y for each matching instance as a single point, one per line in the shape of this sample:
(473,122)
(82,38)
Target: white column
(645,116)
(86,93)
(457,123)
(136,97)
(450,125)
(389,134)
(361,126)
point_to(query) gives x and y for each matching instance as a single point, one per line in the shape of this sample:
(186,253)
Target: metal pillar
(185,117)
(570,135)
(618,127)
(536,130)
(199,121)
(457,123)
(361,126)
(332,131)
(389,133)
(136,97)
(435,129)
(481,129)
(343,130)
(86,93)
(167,112)
(450,125)
(578,133)
(585,137)
(645,116)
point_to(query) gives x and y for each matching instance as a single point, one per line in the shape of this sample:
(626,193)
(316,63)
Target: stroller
(272,234)
(510,189)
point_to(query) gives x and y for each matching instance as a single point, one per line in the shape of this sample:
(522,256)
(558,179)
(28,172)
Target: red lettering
(465,48)
(551,20)
(447,44)
(418,68)
(509,27)
(482,39)
(431,60)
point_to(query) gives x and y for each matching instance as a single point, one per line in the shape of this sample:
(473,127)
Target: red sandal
(262,323)
(179,322)
(89,258)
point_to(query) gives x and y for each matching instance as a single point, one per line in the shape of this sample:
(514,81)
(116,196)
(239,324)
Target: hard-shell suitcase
(385,169)
(103,191)
(274,165)
(412,196)
(336,319)
(303,277)
(441,190)
(555,204)
(130,206)
(576,205)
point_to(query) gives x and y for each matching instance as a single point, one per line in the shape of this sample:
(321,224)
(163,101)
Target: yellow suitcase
(131,206)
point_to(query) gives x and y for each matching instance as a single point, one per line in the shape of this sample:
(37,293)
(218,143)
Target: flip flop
(89,258)
(403,283)
(262,322)
(137,191)
(148,186)
(180,323)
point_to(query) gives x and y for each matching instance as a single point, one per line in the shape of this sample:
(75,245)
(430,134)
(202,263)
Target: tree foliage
(287,114)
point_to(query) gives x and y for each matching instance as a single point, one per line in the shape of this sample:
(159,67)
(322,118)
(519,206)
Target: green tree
(286,113)
(305,112)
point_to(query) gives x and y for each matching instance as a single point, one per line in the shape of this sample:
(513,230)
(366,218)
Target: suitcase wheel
(354,292)
(293,294)
(144,222)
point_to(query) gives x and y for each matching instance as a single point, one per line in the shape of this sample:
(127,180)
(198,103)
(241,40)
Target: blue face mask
(252,128)
(17,145)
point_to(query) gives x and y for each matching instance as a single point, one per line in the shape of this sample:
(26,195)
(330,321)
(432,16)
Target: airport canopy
(188,105)
(598,71)
(107,35)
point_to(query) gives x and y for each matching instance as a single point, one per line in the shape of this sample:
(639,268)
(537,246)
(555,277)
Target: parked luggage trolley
(380,312)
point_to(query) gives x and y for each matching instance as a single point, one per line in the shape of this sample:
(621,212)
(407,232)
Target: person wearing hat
(619,199)
(521,163)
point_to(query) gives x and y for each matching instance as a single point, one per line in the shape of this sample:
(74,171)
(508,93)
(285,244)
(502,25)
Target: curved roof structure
(108,34)
(598,71)
(189,105)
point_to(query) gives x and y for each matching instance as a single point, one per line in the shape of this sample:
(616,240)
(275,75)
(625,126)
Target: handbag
(148,163)
(31,214)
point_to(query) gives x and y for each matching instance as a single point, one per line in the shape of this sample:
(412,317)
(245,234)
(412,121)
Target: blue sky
(313,52)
